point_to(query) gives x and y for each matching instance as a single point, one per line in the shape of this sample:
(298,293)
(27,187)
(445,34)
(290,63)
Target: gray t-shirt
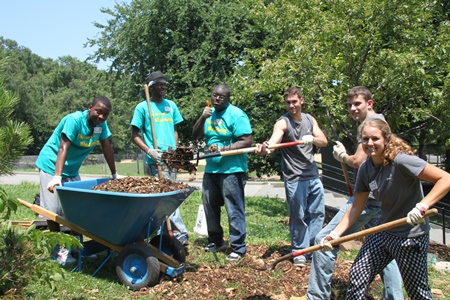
(297,162)
(373,116)
(376,116)
(398,188)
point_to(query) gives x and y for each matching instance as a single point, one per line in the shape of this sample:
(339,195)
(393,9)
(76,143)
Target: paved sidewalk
(269,189)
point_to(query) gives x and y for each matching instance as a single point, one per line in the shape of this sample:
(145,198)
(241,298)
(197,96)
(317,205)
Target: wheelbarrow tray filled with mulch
(117,217)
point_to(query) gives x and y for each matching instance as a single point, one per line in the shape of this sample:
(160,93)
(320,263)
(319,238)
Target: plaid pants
(380,249)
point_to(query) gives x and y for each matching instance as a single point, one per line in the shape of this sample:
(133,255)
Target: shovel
(167,159)
(248,150)
(346,238)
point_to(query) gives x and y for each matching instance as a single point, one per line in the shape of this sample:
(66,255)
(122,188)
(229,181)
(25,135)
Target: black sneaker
(212,247)
(184,240)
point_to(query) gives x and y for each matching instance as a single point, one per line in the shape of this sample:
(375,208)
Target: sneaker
(233,256)
(212,247)
(71,260)
(184,240)
(63,256)
(300,261)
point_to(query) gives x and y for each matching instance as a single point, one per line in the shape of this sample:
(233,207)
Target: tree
(47,90)
(329,47)
(14,136)
(198,43)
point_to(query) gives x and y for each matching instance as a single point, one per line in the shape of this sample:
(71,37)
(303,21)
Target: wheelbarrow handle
(350,237)
(56,218)
(248,150)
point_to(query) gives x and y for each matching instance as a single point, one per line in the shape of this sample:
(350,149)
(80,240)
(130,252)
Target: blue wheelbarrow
(123,222)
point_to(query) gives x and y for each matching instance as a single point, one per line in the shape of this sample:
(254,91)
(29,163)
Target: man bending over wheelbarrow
(60,159)
(304,189)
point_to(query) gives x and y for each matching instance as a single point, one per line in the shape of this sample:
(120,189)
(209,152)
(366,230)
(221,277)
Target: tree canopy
(398,49)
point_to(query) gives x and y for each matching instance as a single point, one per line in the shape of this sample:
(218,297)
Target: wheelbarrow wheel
(137,267)
(171,246)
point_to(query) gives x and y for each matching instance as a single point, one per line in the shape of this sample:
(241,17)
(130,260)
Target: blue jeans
(323,263)
(225,190)
(175,217)
(306,211)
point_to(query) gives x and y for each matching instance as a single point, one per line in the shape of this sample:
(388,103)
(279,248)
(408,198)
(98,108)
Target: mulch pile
(141,185)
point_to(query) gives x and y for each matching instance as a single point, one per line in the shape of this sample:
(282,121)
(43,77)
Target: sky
(54,28)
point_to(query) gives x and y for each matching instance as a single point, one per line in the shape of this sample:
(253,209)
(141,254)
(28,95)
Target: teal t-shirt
(83,138)
(165,116)
(222,129)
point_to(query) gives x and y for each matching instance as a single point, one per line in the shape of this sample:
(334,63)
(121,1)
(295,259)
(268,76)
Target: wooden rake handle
(152,126)
(350,237)
(248,150)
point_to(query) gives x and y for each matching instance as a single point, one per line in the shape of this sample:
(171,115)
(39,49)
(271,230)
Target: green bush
(25,254)
(16,259)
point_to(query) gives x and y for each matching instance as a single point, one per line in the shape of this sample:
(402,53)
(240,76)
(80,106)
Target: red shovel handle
(347,179)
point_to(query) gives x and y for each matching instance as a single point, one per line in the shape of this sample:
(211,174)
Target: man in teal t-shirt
(166,116)
(225,127)
(74,138)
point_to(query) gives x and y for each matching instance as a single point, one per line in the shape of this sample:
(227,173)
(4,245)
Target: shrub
(25,254)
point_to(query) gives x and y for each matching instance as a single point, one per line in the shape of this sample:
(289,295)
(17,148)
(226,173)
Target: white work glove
(207,112)
(415,216)
(154,154)
(262,149)
(325,242)
(308,140)
(54,182)
(117,176)
(339,151)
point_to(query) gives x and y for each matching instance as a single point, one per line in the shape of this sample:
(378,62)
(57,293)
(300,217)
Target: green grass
(126,169)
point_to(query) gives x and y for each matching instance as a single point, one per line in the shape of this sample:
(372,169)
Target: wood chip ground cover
(247,278)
